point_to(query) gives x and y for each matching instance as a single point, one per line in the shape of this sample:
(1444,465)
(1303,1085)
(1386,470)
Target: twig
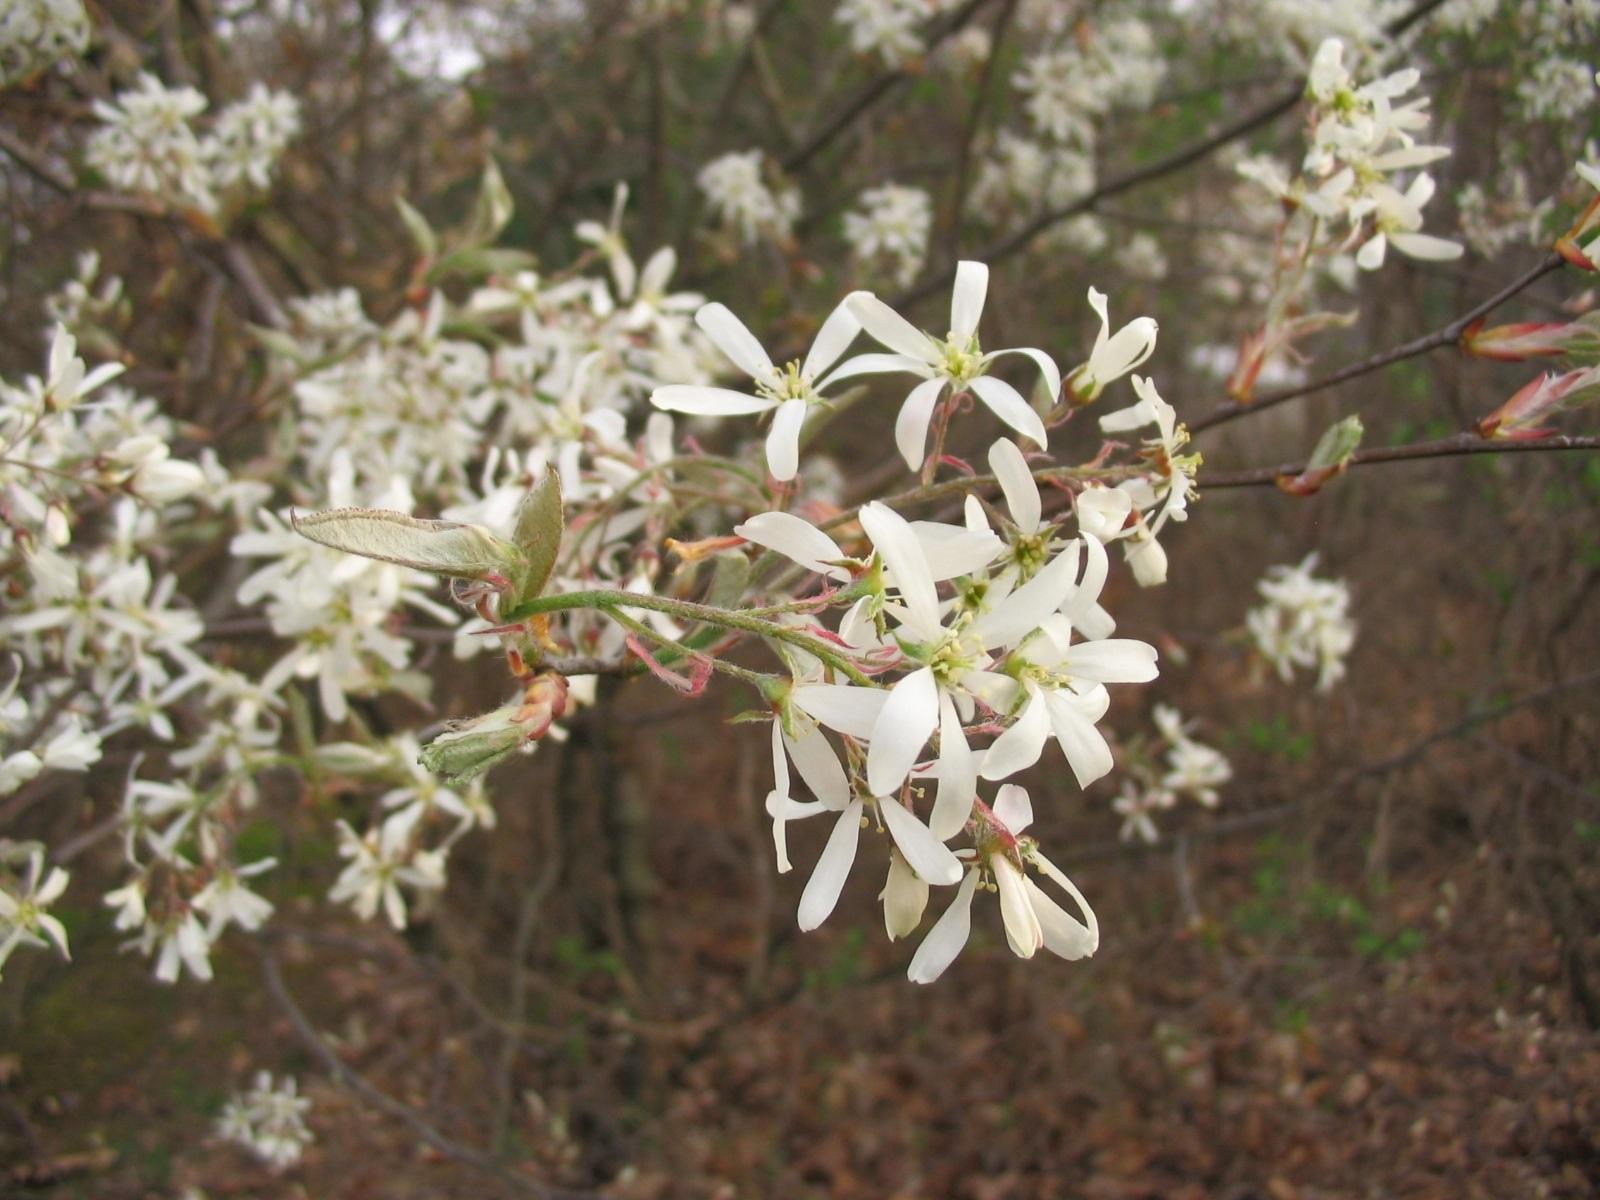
(403,1113)
(1019,241)
(1450,447)
(1447,335)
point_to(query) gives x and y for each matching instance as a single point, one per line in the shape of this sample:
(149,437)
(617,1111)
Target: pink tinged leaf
(902,556)
(1520,342)
(691,684)
(1022,925)
(929,857)
(795,539)
(947,937)
(1007,403)
(708,401)
(827,878)
(957,774)
(1016,481)
(902,730)
(819,766)
(1013,808)
(832,340)
(1084,745)
(783,440)
(1064,935)
(736,341)
(852,711)
(911,425)
(1519,418)
(1020,746)
(891,329)
(967,299)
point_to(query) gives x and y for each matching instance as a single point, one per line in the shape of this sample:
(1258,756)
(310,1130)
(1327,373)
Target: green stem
(755,679)
(607,598)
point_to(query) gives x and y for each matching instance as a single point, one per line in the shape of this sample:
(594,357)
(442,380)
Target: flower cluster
(890,228)
(34,34)
(148,144)
(1305,622)
(742,197)
(269,1120)
(1188,768)
(25,898)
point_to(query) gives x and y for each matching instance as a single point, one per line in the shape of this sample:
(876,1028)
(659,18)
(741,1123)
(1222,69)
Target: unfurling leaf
(468,749)
(1520,418)
(1330,457)
(1578,339)
(538,531)
(491,212)
(447,548)
(421,232)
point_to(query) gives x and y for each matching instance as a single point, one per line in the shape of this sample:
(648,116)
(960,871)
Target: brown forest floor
(1370,974)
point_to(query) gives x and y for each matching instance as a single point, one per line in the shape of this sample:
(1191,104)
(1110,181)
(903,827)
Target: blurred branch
(337,1067)
(872,92)
(1445,336)
(1450,447)
(1015,243)
(980,100)
(1393,762)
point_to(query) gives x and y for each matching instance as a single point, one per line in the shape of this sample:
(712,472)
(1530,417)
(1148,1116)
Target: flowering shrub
(638,456)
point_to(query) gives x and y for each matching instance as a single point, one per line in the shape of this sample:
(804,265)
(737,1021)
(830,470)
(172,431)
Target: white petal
(891,329)
(1064,934)
(1019,747)
(1426,247)
(1125,350)
(1370,256)
(1092,924)
(952,550)
(1084,745)
(948,935)
(911,425)
(707,401)
(902,730)
(1022,925)
(966,300)
(849,709)
(902,556)
(1047,367)
(832,869)
(957,773)
(904,896)
(819,766)
(929,857)
(795,539)
(1012,806)
(1016,481)
(1007,404)
(1115,660)
(1020,613)
(874,364)
(832,340)
(736,341)
(783,440)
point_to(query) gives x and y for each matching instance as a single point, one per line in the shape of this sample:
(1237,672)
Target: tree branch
(1444,336)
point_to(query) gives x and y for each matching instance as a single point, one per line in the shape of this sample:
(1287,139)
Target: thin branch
(1444,336)
(1450,447)
(386,1104)
(872,92)
(1018,241)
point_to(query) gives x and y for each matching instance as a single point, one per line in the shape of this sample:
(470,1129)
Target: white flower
(269,1121)
(1114,355)
(228,899)
(1032,919)
(1305,622)
(789,394)
(734,187)
(1397,216)
(891,225)
(23,917)
(955,362)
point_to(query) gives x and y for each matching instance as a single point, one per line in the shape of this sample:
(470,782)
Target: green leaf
(491,213)
(537,534)
(442,547)
(1330,457)
(421,232)
(462,753)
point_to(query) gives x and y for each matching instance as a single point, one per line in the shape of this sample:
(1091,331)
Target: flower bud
(166,480)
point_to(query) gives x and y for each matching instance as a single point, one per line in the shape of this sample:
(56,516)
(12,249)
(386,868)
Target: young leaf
(538,534)
(1330,458)
(421,232)
(442,547)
